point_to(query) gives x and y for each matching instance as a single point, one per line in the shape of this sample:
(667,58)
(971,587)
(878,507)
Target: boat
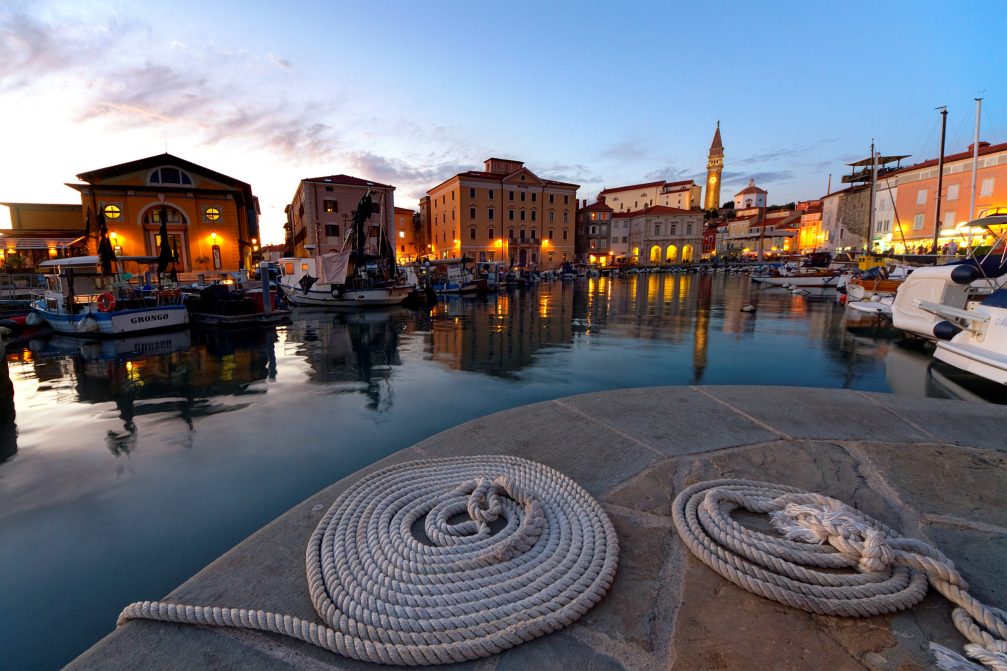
(80,299)
(877,281)
(361,274)
(221,305)
(980,344)
(803,280)
(454,276)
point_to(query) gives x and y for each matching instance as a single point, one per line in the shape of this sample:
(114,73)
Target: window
(987,188)
(510,233)
(953,192)
(550,234)
(472,234)
(491,234)
(566,200)
(593,230)
(472,193)
(521,238)
(472,213)
(328,188)
(482,256)
(918,222)
(674,229)
(552,198)
(564,234)
(533,215)
(452,195)
(375,208)
(330,205)
(534,257)
(522,196)
(533,235)
(657,229)
(533,197)
(490,213)
(552,216)
(566,218)
(522,215)
(510,215)
(491,193)
(332,230)
(949,219)
(510,195)
(921,197)
(112,211)
(688,229)
(170,176)
(452,215)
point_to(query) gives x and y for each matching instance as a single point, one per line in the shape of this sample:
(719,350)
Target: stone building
(319,215)
(593,243)
(504,212)
(845,217)
(683,195)
(658,234)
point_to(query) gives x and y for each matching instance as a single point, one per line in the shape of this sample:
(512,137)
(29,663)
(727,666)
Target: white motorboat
(80,300)
(803,280)
(302,287)
(980,344)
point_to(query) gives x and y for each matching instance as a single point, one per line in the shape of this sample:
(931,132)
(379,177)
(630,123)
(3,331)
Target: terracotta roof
(990,149)
(655,210)
(597,207)
(499,177)
(751,189)
(631,186)
(347,180)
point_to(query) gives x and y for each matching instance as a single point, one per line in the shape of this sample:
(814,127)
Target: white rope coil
(513,550)
(885,572)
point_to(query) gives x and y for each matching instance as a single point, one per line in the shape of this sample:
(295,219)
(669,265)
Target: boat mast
(975,162)
(874,182)
(940,178)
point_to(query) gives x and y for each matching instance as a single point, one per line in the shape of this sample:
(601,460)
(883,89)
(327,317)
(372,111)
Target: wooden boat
(80,300)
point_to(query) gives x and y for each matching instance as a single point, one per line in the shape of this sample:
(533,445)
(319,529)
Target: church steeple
(714,166)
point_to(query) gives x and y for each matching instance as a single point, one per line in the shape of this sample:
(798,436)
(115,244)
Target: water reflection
(8,428)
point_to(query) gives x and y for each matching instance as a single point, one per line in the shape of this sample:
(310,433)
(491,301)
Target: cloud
(673,174)
(280,62)
(562,172)
(31,49)
(627,149)
(761,178)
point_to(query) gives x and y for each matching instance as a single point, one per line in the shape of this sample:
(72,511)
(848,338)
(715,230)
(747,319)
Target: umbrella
(106,255)
(166,256)
(87,225)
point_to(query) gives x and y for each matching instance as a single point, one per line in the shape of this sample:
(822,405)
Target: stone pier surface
(933,469)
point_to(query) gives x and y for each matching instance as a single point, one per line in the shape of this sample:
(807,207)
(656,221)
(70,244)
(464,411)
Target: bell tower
(714,166)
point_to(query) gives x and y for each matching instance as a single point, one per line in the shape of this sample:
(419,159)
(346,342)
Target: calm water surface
(135,463)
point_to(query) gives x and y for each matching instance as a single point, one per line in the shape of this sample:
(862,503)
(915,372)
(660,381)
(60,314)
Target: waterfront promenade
(932,469)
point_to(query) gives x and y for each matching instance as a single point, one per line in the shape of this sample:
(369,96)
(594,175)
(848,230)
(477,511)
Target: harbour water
(129,465)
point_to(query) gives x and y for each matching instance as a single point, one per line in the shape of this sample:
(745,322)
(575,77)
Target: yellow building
(714,168)
(212,218)
(502,213)
(407,240)
(41,231)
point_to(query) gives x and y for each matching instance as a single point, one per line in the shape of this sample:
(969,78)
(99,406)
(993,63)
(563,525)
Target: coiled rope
(513,550)
(890,572)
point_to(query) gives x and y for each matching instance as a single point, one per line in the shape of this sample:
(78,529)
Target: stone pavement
(933,469)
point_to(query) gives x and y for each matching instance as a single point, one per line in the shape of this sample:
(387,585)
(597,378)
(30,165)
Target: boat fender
(4,332)
(87,325)
(965,274)
(945,330)
(34,319)
(105,302)
(748,308)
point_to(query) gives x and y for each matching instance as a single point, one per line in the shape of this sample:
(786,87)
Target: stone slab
(634,450)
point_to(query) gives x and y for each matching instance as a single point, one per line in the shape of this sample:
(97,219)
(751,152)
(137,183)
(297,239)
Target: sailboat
(361,274)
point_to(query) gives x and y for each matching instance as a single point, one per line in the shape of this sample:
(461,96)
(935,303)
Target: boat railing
(20,287)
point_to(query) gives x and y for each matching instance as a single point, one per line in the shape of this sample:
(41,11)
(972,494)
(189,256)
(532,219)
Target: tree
(204,261)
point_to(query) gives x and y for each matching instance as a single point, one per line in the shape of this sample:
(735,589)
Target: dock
(933,469)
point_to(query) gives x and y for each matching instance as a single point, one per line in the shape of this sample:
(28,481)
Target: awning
(37,243)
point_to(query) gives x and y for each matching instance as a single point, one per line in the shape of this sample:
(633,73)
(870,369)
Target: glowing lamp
(213,236)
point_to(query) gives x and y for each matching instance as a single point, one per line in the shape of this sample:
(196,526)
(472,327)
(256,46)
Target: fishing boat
(222,305)
(455,276)
(81,299)
(820,278)
(361,274)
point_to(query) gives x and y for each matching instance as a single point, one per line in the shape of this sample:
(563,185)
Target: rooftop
(347,180)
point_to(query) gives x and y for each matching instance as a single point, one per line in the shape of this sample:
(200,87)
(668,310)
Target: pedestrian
(953,248)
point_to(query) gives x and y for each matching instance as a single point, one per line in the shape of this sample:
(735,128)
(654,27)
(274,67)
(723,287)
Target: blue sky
(409,93)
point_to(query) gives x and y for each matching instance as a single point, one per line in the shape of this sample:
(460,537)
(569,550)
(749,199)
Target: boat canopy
(93,260)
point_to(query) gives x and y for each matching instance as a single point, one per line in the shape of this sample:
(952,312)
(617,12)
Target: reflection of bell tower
(714,166)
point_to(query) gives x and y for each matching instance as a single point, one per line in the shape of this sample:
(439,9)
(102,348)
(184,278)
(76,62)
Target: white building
(749,197)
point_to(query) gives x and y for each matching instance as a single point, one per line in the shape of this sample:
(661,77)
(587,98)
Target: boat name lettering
(140,319)
(1001,322)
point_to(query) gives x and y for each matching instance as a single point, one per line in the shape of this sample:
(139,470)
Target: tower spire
(714,166)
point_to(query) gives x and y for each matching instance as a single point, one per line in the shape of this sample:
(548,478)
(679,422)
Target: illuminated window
(211,214)
(330,205)
(112,211)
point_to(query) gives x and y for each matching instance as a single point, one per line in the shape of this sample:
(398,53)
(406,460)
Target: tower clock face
(713,179)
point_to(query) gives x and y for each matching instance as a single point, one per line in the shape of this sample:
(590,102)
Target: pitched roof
(499,177)
(631,186)
(983,150)
(597,207)
(751,189)
(655,210)
(347,180)
(159,160)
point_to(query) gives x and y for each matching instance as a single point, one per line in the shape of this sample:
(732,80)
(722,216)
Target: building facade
(913,215)
(41,231)
(845,216)
(320,215)
(749,197)
(683,195)
(212,218)
(657,235)
(502,213)
(593,242)
(409,245)
(714,168)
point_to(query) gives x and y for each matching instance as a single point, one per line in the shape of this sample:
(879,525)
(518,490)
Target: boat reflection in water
(8,427)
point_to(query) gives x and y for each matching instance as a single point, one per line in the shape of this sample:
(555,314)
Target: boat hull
(799,280)
(116,322)
(321,296)
(255,319)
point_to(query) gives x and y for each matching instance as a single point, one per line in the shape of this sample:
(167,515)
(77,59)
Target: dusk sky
(410,93)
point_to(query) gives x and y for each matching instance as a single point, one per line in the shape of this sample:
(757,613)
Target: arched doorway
(687,254)
(655,254)
(671,254)
(178,236)
(636,254)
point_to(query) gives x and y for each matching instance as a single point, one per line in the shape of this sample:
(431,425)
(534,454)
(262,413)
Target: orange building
(212,218)
(408,246)
(907,198)
(41,231)
(502,213)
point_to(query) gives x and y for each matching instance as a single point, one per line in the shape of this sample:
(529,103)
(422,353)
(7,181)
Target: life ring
(106,302)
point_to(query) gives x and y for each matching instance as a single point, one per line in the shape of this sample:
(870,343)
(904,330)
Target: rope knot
(484,504)
(831,522)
